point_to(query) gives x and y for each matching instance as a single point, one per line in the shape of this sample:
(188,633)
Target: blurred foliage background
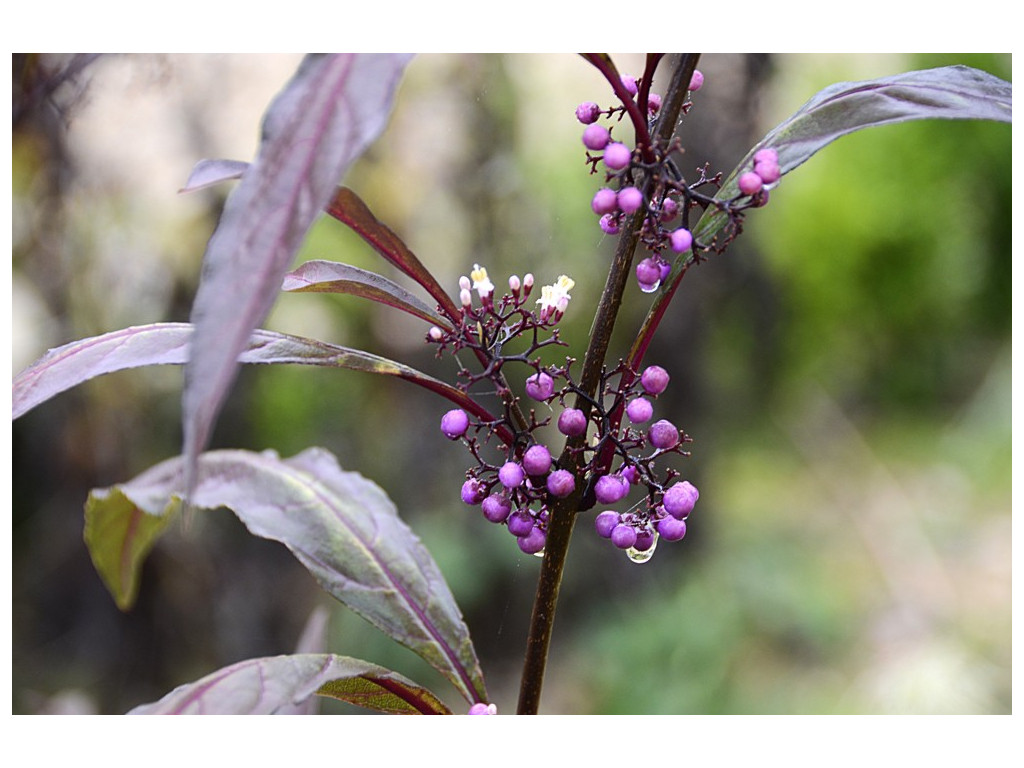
(844,370)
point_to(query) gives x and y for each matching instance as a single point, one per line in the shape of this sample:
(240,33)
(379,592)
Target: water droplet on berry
(539,554)
(650,287)
(642,557)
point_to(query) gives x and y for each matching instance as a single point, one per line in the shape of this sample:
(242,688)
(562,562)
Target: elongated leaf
(951,93)
(167,344)
(334,277)
(276,684)
(322,121)
(207,173)
(348,207)
(339,525)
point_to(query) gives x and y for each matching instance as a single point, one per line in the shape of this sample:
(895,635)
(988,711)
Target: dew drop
(650,287)
(642,556)
(539,554)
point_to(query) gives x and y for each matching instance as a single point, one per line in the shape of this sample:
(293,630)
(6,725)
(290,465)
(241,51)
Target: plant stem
(563,513)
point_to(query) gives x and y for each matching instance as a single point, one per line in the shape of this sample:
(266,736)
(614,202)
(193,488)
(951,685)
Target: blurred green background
(844,370)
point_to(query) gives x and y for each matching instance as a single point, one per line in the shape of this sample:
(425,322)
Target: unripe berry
(696,80)
(473,492)
(572,422)
(533,542)
(623,536)
(520,523)
(639,410)
(561,483)
(679,499)
(617,156)
(671,529)
(663,435)
(750,183)
(537,460)
(435,333)
(609,224)
(587,112)
(605,201)
(540,386)
(680,240)
(595,136)
(454,424)
(654,380)
(511,475)
(610,489)
(605,522)
(648,274)
(496,508)
(630,199)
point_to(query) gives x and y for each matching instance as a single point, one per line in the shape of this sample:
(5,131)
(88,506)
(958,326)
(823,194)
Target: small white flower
(481,282)
(554,299)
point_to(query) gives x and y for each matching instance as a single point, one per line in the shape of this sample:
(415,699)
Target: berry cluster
(518,488)
(666,196)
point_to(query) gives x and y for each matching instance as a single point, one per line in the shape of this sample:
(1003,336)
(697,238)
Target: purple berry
(768,171)
(496,508)
(630,199)
(679,499)
(540,386)
(639,410)
(520,523)
(587,112)
(653,103)
(473,492)
(572,422)
(605,201)
(483,709)
(623,536)
(561,483)
(671,529)
(663,435)
(595,137)
(533,542)
(750,183)
(654,380)
(617,156)
(696,80)
(631,474)
(644,539)
(605,522)
(511,474)
(681,240)
(766,155)
(611,488)
(630,82)
(454,424)
(669,209)
(666,270)
(648,274)
(537,460)
(609,224)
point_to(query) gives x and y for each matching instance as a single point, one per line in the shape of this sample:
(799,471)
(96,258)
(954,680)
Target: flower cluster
(518,487)
(658,189)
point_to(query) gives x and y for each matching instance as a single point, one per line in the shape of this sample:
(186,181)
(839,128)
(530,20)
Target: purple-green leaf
(278,684)
(333,277)
(167,344)
(951,93)
(326,116)
(207,173)
(339,525)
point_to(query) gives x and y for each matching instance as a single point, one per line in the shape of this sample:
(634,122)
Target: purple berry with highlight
(696,80)
(537,460)
(617,156)
(630,82)
(605,522)
(654,380)
(630,199)
(561,483)
(496,508)
(645,538)
(520,523)
(473,492)
(766,155)
(595,137)
(609,224)
(680,499)
(639,410)
(648,274)
(587,112)
(680,240)
(768,171)
(454,424)
(671,529)
(663,435)
(540,386)
(623,536)
(653,103)
(572,422)
(750,183)
(511,474)
(533,542)
(610,489)
(605,201)
(669,209)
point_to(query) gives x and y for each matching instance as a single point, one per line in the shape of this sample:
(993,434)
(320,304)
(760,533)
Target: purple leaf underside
(326,116)
(339,525)
(283,684)
(207,173)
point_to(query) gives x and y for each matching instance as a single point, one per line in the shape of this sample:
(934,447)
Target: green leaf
(338,524)
(279,684)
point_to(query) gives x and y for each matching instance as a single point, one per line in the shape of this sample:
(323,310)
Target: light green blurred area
(844,371)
